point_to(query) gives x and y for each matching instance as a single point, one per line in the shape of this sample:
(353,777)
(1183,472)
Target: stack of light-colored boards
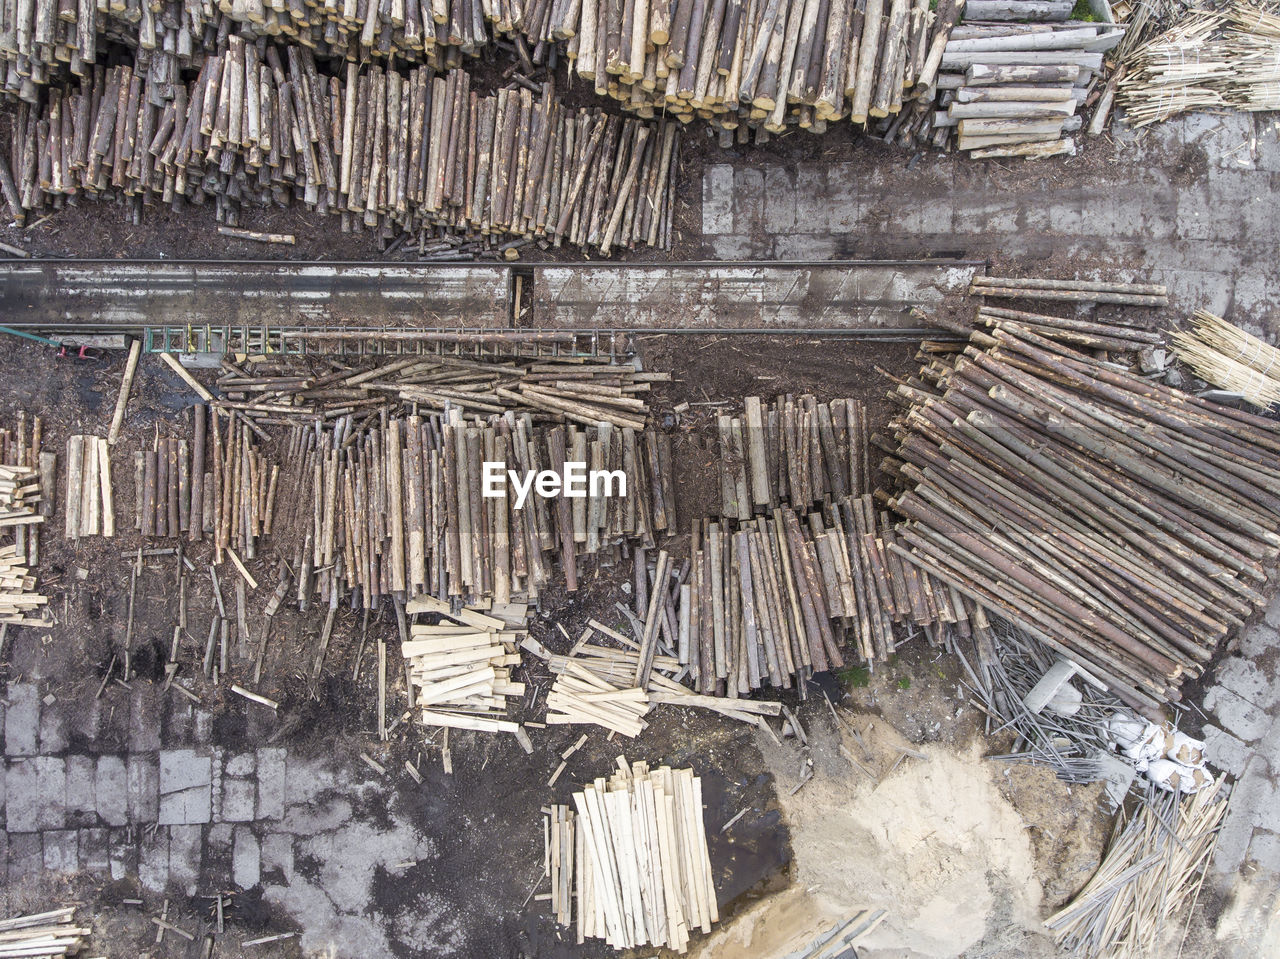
(88,503)
(461,671)
(17,601)
(19,496)
(632,866)
(42,934)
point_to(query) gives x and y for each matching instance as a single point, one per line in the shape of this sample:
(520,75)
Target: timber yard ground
(967,854)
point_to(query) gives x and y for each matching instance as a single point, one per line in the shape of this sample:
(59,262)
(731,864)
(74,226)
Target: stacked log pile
(27,479)
(1013,89)
(461,672)
(767,63)
(398,507)
(1121,522)
(796,450)
(1070,291)
(632,866)
(89,504)
(391,153)
(219,483)
(1226,356)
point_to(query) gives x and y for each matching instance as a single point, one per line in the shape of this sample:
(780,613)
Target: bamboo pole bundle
(385,152)
(1124,524)
(1228,357)
(1148,881)
(632,866)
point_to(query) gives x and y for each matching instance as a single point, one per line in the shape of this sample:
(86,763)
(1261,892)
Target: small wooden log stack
(391,153)
(27,479)
(632,866)
(1013,89)
(88,503)
(580,696)
(797,451)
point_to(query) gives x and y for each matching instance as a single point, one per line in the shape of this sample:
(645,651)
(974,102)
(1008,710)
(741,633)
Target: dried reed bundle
(1150,878)
(1230,358)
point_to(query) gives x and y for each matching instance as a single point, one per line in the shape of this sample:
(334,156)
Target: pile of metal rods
(1123,523)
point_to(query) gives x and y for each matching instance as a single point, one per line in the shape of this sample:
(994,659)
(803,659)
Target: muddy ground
(484,819)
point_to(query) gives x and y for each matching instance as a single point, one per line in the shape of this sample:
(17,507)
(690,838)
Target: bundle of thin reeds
(1150,877)
(1228,357)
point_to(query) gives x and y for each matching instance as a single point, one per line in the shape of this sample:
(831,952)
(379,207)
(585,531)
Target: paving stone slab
(1224,751)
(95,850)
(186,848)
(53,727)
(271,783)
(277,856)
(3,789)
(111,790)
(61,850)
(82,807)
(246,859)
(717,200)
(186,777)
(22,720)
(1247,680)
(144,718)
(123,852)
(237,800)
(143,771)
(51,791)
(153,860)
(26,856)
(1236,714)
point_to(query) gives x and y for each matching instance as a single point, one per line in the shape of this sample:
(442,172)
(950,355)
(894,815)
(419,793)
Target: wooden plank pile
(1226,356)
(89,503)
(1125,524)
(581,390)
(629,863)
(796,450)
(44,934)
(1012,89)
(461,671)
(396,506)
(579,696)
(387,152)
